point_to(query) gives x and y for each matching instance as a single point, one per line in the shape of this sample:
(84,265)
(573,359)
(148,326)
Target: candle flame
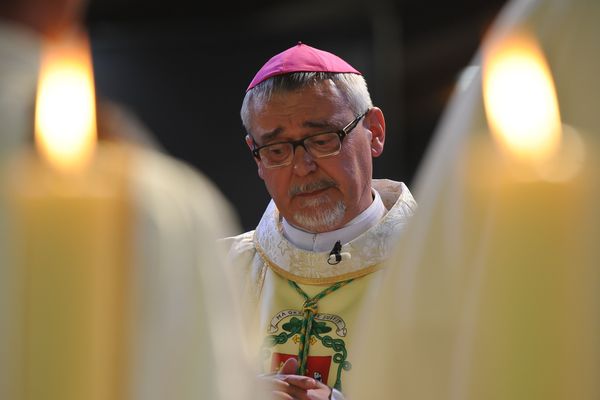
(520,99)
(65,117)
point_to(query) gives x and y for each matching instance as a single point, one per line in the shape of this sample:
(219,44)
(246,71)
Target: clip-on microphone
(336,256)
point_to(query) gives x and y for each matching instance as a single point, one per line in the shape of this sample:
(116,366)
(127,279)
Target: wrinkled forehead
(321,100)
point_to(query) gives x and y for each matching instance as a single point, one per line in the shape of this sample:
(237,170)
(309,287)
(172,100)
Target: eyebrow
(268,136)
(271,135)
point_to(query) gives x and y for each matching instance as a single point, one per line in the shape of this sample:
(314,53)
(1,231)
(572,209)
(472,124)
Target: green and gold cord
(309,310)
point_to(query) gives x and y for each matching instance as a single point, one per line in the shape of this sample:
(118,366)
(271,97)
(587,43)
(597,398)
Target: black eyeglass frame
(342,133)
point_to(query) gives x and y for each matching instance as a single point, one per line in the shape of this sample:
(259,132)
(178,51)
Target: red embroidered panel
(317,367)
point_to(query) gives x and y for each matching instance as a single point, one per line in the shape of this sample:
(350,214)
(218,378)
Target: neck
(324,241)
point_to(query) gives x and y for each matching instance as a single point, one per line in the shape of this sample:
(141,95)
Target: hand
(285,385)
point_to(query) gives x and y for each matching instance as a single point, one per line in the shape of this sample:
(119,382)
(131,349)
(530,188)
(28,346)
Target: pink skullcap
(301,58)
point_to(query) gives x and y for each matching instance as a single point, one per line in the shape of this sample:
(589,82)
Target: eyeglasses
(320,145)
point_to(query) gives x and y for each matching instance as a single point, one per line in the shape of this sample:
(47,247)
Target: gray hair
(352,86)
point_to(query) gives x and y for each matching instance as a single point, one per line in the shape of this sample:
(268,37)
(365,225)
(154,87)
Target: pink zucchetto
(301,58)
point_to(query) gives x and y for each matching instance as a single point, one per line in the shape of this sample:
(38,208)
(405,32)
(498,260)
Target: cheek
(276,184)
(356,173)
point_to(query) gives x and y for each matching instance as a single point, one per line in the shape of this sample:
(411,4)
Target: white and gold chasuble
(266,262)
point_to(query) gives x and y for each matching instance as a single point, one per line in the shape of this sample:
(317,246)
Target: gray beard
(320,217)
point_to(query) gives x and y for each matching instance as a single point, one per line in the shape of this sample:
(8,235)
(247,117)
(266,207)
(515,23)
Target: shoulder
(395,195)
(241,253)
(239,245)
(247,267)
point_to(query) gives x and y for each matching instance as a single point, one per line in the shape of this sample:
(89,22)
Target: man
(313,131)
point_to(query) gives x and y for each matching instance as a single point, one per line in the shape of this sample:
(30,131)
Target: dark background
(182,68)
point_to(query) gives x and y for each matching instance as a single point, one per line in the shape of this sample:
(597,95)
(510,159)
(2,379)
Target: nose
(303,162)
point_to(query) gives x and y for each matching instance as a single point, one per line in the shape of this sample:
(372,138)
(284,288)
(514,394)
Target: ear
(375,122)
(251,144)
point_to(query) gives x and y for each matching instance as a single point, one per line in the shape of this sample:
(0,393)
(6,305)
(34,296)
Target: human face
(318,194)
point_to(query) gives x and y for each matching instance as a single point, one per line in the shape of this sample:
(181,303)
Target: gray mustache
(311,187)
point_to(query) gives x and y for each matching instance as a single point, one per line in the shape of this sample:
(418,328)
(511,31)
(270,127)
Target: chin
(321,217)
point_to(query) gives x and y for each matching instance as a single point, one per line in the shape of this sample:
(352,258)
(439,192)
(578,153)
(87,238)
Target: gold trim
(312,281)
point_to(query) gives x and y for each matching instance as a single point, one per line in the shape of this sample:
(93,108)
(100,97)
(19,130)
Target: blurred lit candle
(532,320)
(71,213)
(520,99)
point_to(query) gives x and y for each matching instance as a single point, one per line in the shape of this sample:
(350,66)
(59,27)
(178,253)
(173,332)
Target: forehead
(314,105)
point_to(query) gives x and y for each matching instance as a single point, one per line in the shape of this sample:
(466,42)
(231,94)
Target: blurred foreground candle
(530,186)
(520,98)
(71,214)
(494,289)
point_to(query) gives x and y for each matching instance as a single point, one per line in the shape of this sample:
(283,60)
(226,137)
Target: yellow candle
(71,216)
(495,283)
(532,335)
(532,338)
